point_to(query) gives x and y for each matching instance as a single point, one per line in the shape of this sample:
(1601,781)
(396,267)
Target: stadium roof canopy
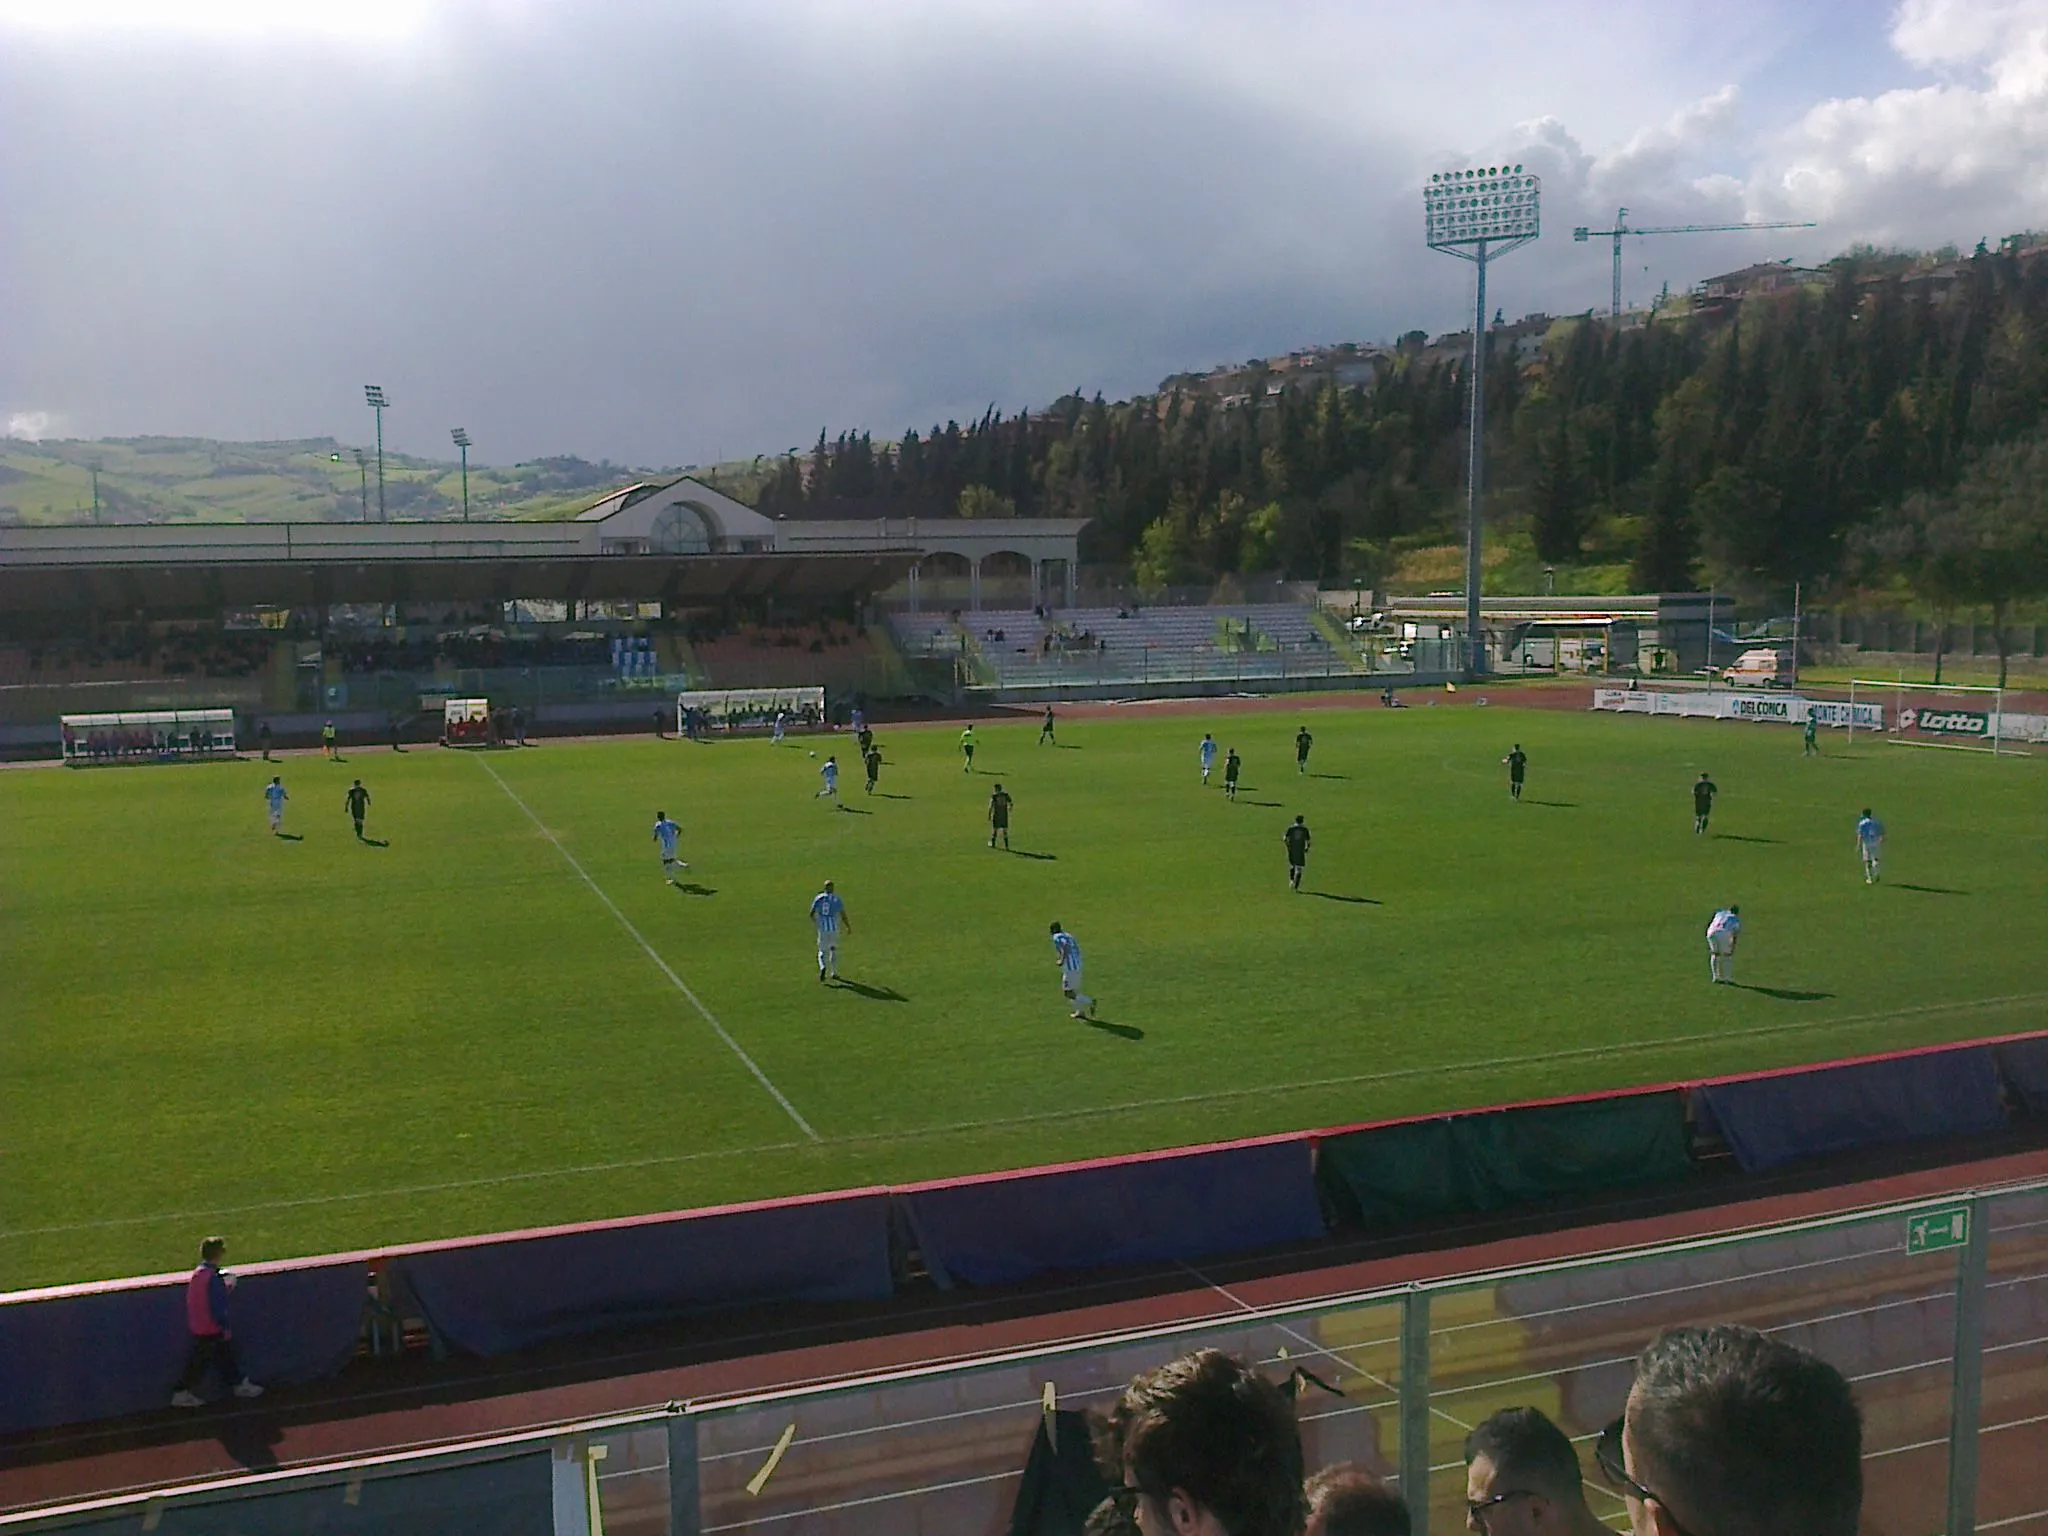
(678,543)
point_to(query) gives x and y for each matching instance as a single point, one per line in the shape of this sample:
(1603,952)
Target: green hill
(196,479)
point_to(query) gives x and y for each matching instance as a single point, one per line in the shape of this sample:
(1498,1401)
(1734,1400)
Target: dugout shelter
(147,736)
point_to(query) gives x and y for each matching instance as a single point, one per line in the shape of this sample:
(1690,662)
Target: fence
(1937,1311)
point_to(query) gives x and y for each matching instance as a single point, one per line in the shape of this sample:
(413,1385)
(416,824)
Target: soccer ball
(810,754)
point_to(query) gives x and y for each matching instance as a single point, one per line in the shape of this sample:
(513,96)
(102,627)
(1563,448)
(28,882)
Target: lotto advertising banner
(1946,722)
(1780,708)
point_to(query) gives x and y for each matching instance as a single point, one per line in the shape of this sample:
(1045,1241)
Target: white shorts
(1721,943)
(1070,981)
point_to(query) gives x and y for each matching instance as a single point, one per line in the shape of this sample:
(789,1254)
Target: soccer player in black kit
(1302,742)
(1296,838)
(1518,767)
(1702,802)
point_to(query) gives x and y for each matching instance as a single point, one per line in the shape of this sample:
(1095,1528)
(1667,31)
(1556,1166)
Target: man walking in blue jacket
(206,1320)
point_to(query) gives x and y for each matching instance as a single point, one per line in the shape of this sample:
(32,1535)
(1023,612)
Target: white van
(1764,667)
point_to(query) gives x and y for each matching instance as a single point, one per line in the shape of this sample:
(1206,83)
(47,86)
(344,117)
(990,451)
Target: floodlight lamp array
(461,437)
(1499,202)
(373,395)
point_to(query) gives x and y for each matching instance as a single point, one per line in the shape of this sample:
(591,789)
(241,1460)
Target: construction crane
(1621,227)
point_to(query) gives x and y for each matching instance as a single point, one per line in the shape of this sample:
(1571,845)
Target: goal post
(1963,717)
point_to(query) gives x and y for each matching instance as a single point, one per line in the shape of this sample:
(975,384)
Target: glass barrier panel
(2012,1472)
(1565,1342)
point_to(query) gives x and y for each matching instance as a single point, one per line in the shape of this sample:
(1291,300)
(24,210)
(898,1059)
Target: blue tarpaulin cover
(1771,1120)
(2024,1064)
(1125,1211)
(69,1359)
(494,1297)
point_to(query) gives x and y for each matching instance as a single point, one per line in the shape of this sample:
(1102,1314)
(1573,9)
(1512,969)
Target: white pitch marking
(695,1002)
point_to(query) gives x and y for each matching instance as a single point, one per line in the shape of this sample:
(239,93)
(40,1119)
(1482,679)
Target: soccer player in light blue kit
(829,916)
(1208,755)
(781,720)
(830,774)
(665,833)
(1869,840)
(273,792)
(1068,948)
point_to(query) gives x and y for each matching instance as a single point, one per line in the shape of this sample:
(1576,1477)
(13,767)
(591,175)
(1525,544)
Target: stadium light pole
(461,437)
(1478,215)
(363,479)
(374,395)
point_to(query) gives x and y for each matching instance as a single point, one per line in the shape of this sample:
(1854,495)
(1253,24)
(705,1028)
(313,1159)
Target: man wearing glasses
(1730,1433)
(1522,1478)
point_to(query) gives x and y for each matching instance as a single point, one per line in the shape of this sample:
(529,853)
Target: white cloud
(34,426)
(1963,156)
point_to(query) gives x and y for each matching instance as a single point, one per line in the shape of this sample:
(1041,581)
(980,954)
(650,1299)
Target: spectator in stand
(1522,1478)
(1730,1433)
(1347,1500)
(1205,1446)
(206,1321)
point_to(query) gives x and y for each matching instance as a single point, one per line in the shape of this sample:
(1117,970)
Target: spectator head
(1347,1500)
(1522,1478)
(1730,1433)
(1211,1449)
(213,1250)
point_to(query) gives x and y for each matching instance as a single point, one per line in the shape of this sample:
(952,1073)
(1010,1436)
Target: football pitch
(496,1013)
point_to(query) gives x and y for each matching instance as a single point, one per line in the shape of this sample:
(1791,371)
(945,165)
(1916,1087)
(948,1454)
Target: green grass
(317,1045)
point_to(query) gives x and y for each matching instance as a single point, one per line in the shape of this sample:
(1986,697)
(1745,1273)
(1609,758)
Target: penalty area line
(655,955)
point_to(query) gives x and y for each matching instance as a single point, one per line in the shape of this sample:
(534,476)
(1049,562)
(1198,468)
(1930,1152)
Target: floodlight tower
(461,436)
(374,395)
(1477,215)
(363,479)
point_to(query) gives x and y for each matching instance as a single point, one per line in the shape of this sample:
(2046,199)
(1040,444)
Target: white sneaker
(247,1388)
(183,1399)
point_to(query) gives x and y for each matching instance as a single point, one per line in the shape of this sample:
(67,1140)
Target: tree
(1984,544)
(2000,525)
(1920,542)
(979,501)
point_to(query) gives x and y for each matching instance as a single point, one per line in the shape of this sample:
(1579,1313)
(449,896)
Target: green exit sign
(1938,1229)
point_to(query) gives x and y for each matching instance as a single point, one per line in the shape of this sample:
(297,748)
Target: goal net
(1960,717)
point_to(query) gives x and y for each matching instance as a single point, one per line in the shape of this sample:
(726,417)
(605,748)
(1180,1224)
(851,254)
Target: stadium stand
(1025,648)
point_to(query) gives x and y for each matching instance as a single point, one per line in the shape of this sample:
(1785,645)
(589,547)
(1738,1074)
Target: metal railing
(1936,1310)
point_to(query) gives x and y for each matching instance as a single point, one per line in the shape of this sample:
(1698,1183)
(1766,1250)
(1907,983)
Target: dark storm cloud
(662,234)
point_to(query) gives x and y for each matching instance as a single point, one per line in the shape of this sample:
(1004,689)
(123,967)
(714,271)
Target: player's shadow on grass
(1111,1027)
(289,837)
(692,888)
(1026,853)
(883,794)
(1739,837)
(1270,805)
(1329,775)
(1783,994)
(1354,901)
(1556,805)
(374,842)
(879,994)
(854,810)
(1931,890)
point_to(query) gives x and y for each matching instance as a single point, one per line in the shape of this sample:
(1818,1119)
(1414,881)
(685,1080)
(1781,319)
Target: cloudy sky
(663,231)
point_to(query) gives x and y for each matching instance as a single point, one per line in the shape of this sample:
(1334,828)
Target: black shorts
(1298,860)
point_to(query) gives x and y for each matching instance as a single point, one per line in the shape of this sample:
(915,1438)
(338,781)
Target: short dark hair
(1527,1449)
(1347,1500)
(1750,1435)
(1219,1432)
(212,1248)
